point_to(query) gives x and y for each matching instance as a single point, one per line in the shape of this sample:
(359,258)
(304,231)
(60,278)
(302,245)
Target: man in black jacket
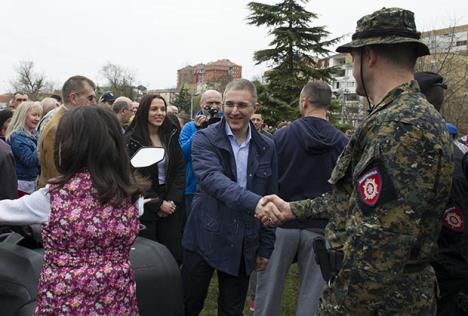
(307,152)
(451,262)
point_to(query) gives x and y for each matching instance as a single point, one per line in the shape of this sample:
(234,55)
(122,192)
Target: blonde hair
(18,121)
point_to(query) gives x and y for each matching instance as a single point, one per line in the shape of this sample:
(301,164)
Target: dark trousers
(167,231)
(196,276)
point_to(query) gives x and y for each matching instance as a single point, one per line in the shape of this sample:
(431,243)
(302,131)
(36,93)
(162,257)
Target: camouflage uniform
(390,184)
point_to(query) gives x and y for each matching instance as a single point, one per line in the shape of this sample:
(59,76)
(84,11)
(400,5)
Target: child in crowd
(90,219)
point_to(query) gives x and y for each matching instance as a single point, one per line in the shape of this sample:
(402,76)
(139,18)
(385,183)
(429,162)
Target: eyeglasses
(240,105)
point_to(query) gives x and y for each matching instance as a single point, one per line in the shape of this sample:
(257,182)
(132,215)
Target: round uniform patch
(454,219)
(370,186)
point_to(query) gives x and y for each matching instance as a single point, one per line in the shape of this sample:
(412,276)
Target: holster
(329,260)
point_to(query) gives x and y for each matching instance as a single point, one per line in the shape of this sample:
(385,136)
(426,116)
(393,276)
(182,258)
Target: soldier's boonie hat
(386,26)
(427,80)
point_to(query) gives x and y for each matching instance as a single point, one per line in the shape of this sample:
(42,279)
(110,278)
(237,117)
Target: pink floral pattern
(86,262)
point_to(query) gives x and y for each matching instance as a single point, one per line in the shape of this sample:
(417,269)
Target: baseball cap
(107,96)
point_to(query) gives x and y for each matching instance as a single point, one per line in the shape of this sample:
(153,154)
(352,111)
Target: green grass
(289,295)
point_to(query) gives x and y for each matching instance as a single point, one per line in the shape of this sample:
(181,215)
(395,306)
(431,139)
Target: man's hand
(199,120)
(261,264)
(168,207)
(272,210)
(267,213)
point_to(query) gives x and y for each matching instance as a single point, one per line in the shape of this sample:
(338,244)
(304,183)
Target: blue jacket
(24,148)
(185,140)
(222,227)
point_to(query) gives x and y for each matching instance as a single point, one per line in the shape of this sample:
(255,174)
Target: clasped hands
(272,211)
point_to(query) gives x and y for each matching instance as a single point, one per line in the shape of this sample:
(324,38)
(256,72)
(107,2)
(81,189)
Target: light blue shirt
(241,155)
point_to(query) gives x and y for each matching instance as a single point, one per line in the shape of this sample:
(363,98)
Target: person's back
(77,91)
(46,148)
(309,145)
(89,216)
(307,151)
(84,236)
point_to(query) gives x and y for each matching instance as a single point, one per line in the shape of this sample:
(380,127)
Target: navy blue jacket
(221,226)
(24,148)
(308,149)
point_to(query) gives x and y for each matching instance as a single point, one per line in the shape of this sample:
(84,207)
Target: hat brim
(421,48)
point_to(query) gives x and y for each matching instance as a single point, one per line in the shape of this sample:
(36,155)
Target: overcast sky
(154,38)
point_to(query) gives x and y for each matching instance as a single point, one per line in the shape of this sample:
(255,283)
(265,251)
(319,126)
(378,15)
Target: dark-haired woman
(164,214)
(90,219)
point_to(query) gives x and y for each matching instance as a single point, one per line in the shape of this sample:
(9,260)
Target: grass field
(289,295)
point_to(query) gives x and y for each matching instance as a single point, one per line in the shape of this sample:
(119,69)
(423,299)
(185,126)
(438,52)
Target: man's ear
(371,56)
(72,98)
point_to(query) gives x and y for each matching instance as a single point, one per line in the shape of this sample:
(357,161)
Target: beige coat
(46,149)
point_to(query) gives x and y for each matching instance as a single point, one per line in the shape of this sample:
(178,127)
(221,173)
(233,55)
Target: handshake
(272,211)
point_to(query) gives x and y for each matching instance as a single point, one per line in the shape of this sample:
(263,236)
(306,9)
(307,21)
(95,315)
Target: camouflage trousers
(413,294)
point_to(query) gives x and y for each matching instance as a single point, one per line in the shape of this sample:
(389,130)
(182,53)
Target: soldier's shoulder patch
(370,186)
(453,219)
(374,187)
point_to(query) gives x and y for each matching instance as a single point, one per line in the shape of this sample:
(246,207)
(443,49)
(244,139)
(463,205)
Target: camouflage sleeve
(394,185)
(310,208)
(323,206)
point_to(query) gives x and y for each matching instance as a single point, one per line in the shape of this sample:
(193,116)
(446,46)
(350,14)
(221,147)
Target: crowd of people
(362,217)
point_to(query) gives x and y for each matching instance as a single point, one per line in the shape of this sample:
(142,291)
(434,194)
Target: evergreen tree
(294,50)
(183,100)
(273,110)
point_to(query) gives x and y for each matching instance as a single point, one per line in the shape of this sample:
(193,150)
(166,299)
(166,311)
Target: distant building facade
(451,39)
(205,76)
(449,57)
(344,89)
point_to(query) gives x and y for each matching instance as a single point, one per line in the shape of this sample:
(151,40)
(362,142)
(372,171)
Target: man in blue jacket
(234,166)
(210,100)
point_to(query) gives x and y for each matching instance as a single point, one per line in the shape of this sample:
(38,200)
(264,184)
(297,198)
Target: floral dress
(86,267)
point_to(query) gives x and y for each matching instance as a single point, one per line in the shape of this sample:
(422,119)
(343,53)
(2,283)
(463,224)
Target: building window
(461,43)
(340,73)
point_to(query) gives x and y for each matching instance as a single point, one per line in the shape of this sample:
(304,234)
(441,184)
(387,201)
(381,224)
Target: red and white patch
(370,186)
(454,219)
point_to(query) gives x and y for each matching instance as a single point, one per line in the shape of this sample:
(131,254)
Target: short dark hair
(18,92)
(56,97)
(242,84)
(139,125)
(402,55)
(318,93)
(75,84)
(89,138)
(119,106)
(5,114)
